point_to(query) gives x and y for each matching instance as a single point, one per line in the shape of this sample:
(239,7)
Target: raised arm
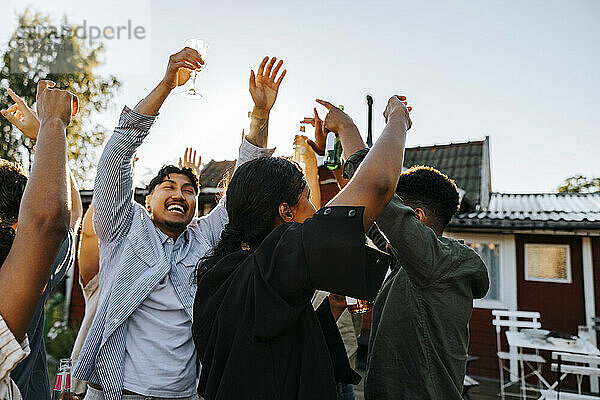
(374,183)
(88,256)
(311,171)
(113,188)
(25,119)
(400,225)
(318,145)
(264,87)
(43,215)
(178,73)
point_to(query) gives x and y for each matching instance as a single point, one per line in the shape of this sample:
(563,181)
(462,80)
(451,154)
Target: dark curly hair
(13,179)
(166,170)
(429,189)
(253,196)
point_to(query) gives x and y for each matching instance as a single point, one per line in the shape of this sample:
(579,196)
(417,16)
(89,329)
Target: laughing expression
(172,204)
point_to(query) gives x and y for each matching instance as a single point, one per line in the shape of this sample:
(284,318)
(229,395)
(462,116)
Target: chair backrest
(517,319)
(569,358)
(576,364)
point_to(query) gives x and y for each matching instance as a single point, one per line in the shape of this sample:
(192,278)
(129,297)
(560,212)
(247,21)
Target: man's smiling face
(172,204)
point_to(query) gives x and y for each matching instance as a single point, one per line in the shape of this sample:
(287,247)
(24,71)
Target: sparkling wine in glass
(201,47)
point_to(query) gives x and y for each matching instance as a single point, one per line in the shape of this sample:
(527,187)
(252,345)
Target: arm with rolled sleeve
(113,188)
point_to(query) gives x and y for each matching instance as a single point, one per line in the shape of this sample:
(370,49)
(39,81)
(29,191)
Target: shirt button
(352,213)
(327,211)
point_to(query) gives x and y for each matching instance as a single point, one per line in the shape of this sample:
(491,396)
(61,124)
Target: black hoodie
(254,327)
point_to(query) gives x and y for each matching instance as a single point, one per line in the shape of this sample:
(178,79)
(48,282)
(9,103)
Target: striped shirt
(133,260)
(11,353)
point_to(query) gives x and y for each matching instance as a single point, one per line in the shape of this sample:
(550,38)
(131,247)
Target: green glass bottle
(333,150)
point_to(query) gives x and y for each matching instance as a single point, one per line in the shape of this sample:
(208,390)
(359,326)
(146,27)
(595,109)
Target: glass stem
(193,88)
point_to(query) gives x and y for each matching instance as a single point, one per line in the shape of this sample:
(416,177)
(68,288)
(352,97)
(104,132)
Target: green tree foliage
(580,184)
(42,49)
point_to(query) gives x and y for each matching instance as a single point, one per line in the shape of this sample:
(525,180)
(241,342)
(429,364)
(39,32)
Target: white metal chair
(516,320)
(574,364)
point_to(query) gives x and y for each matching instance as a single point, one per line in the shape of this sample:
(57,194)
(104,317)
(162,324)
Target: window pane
(547,262)
(490,254)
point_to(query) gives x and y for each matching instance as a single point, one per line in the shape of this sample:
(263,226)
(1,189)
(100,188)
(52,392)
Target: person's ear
(285,212)
(420,214)
(148,199)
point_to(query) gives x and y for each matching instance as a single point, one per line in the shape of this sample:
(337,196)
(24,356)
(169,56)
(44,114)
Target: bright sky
(523,72)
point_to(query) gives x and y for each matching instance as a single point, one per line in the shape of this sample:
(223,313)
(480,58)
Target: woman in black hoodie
(254,328)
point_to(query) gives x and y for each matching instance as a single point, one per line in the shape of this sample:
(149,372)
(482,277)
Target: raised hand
(397,105)
(309,154)
(264,86)
(180,66)
(189,160)
(336,120)
(55,104)
(22,116)
(318,145)
(311,170)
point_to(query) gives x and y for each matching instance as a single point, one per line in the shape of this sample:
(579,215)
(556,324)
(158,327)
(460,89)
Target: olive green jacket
(419,335)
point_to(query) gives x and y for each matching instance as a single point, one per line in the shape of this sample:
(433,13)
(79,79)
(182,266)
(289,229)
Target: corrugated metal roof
(535,211)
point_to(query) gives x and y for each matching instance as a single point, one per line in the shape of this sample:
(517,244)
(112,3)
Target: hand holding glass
(202,48)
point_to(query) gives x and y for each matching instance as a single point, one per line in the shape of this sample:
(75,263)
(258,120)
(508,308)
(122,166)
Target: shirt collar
(184,237)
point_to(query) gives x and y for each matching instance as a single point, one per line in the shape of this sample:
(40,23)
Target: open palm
(264,85)
(189,160)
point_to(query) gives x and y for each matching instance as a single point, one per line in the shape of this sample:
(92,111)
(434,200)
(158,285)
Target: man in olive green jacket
(419,335)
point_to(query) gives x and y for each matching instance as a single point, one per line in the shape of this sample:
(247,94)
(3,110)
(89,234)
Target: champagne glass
(201,47)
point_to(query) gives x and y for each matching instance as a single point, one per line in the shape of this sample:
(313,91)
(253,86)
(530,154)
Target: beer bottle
(62,382)
(300,148)
(333,150)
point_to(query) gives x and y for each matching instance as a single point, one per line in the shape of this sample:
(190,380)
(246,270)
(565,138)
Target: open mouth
(176,208)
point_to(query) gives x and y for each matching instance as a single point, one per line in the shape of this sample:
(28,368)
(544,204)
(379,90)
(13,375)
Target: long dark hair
(254,194)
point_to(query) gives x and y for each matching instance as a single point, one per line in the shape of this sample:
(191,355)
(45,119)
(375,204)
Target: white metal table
(520,340)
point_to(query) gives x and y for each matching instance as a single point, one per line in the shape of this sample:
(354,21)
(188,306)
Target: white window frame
(507,267)
(569,278)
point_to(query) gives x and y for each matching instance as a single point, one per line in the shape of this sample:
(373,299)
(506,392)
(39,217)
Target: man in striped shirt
(140,344)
